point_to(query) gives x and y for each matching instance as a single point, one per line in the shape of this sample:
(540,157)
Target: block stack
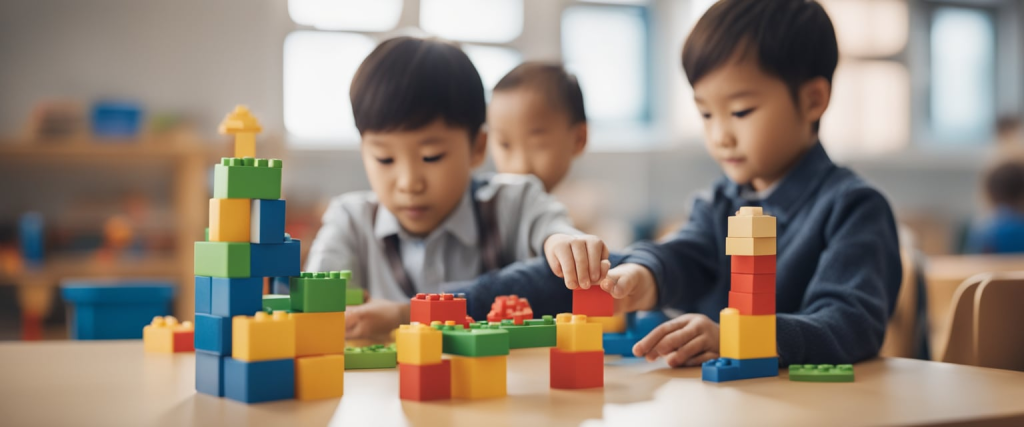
(747,332)
(318,310)
(422,374)
(577,361)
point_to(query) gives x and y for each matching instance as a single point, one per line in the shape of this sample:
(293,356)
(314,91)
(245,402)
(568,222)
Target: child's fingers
(688,350)
(605,266)
(595,248)
(615,282)
(646,345)
(579,258)
(701,358)
(554,264)
(676,341)
(568,266)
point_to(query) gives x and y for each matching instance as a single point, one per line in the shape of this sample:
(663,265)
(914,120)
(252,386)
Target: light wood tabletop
(115,383)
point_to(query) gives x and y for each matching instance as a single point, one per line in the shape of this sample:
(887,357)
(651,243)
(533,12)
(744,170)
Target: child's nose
(411,181)
(721,135)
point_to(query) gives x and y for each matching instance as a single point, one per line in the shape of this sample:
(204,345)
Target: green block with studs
(821,373)
(371,357)
(221,259)
(247,178)
(533,333)
(277,303)
(318,292)
(487,340)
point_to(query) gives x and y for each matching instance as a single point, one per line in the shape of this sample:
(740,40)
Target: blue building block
(213,334)
(237,297)
(204,294)
(105,310)
(724,369)
(268,260)
(641,323)
(210,373)
(254,382)
(620,344)
(266,223)
(116,119)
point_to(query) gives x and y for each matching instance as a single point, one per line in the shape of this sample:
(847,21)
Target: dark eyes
(386,161)
(432,159)
(741,114)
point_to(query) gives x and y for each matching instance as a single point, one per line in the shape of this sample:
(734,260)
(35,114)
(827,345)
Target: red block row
(753,283)
(761,264)
(573,370)
(425,382)
(752,304)
(425,308)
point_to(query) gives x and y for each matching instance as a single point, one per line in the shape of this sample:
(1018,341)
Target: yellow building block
(750,246)
(574,333)
(418,344)
(245,145)
(751,225)
(319,333)
(610,324)
(244,126)
(479,377)
(230,219)
(263,337)
(320,377)
(746,337)
(166,335)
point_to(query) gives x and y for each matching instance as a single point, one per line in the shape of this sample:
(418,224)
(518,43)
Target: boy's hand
(376,318)
(632,286)
(688,340)
(577,259)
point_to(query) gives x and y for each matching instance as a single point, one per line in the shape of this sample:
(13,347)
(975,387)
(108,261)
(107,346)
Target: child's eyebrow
(431,140)
(741,94)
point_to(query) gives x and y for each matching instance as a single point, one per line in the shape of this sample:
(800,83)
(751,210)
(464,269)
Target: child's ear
(580,143)
(815,95)
(478,151)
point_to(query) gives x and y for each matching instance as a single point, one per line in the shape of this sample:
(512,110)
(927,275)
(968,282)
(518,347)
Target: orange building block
(479,377)
(320,377)
(752,304)
(748,264)
(583,369)
(592,302)
(426,308)
(425,382)
(319,333)
(753,283)
(230,219)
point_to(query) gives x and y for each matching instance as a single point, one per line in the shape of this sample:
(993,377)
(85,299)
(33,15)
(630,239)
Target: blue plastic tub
(114,310)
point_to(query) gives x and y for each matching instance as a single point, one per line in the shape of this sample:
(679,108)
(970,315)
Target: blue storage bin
(112,310)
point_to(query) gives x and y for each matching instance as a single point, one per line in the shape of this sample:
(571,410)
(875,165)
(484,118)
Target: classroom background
(110,108)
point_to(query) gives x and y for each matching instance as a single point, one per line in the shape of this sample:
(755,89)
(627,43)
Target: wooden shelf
(88,266)
(90,150)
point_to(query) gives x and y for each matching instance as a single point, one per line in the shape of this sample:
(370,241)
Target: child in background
(761,72)
(1003,232)
(419,108)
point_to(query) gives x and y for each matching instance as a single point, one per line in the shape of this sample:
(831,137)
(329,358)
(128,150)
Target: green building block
(353,296)
(277,303)
(821,373)
(206,235)
(371,357)
(534,333)
(318,292)
(488,340)
(247,178)
(221,259)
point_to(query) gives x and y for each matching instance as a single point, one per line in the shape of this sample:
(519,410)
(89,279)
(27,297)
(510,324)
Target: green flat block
(371,357)
(247,178)
(488,340)
(821,373)
(277,303)
(221,259)
(533,334)
(318,292)
(353,296)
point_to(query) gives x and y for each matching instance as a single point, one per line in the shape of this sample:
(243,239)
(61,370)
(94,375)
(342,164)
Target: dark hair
(407,82)
(1005,184)
(552,80)
(792,39)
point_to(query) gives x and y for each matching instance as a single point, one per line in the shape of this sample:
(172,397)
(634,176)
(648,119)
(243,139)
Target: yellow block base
(320,377)
(574,333)
(263,337)
(610,324)
(479,377)
(319,333)
(750,246)
(746,337)
(230,219)
(418,344)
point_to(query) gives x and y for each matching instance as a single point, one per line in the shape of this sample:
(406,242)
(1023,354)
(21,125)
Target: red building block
(592,302)
(425,382)
(752,304)
(510,307)
(573,370)
(426,308)
(762,264)
(753,283)
(184,341)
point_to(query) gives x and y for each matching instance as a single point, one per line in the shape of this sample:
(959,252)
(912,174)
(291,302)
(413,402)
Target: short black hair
(551,79)
(1005,184)
(407,83)
(792,39)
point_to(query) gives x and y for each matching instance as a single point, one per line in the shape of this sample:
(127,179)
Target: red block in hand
(572,370)
(752,304)
(592,302)
(753,283)
(761,264)
(425,382)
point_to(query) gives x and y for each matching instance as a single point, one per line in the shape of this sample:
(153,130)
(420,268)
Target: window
(493,21)
(492,63)
(350,15)
(962,105)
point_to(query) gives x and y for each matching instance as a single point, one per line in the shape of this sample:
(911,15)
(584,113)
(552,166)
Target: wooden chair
(986,322)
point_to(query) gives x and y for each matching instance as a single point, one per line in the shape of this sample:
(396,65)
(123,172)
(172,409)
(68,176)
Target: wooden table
(115,383)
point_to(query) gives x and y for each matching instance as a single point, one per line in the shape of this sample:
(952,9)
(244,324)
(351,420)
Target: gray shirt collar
(461,223)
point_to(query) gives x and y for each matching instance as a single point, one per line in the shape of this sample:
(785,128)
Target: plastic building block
(213,334)
(619,344)
(237,297)
(479,377)
(247,178)
(371,357)
(277,260)
(222,259)
(642,323)
(244,127)
(210,373)
(318,292)
(821,373)
(753,283)
(757,225)
(254,382)
(354,296)
(166,335)
(426,308)
(320,377)
(764,264)
(574,334)
(750,246)
(319,333)
(267,221)
(583,369)
(204,294)
(418,344)
(229,220)
(488,340)
(263,337)
(277,303)
(758,304)
(746,337)
(105,309)
(425,382)
(726,369)
(592,302)
(510,307)
(534,333)
(610,324)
